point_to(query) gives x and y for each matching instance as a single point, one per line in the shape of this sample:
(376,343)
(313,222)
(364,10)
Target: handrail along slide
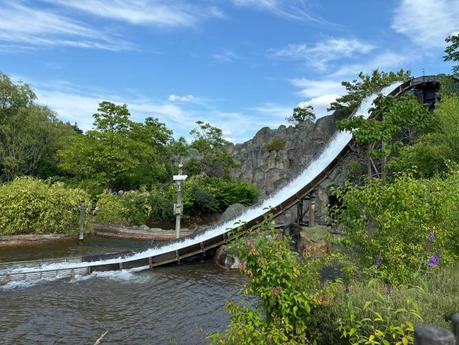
(132,260)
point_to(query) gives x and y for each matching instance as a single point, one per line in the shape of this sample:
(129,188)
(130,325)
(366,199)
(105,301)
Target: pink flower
(276,291)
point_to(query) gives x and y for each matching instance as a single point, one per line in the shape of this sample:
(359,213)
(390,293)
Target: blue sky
(238,64)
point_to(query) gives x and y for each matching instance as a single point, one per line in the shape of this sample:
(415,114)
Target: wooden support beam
(299,211)
(312,213)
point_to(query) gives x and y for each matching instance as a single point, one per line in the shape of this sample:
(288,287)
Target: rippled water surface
(70,247)
(170,305)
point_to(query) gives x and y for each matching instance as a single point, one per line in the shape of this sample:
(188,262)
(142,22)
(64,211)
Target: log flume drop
(216,235)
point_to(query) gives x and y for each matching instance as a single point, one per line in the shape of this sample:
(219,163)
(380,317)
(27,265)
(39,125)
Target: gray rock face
(274,156)
(429,335)
(232,212)
(224,258)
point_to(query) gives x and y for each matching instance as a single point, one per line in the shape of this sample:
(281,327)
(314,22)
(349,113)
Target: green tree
(362,87)
(302,114)
(433,151)
(208,152)
(392,123)
(396,227)
(30,134)
(119,153)
(452,52)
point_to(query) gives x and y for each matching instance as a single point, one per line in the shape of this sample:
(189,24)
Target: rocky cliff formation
(275,156)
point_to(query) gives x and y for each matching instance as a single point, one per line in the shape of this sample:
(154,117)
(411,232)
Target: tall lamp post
(178,207)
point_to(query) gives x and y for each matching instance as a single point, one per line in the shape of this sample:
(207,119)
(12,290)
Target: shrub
(286,302)
(287,295)
(199,195)
(32,206)
(276,144)
(376,317)
(432,152)
(354,170)
(138,205)
(376,307)
(204,194)
(232,192)
(111,209)
(161,201)
(134,207)
(399,229)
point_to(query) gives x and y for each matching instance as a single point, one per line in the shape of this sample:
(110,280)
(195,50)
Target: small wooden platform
(31,239)
(120,231)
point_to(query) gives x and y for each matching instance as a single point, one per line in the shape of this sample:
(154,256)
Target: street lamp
(178,207)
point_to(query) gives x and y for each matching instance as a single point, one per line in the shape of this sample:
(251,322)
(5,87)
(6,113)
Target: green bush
(111,209)
(32,206)
(202,195)
(162,201)
(288,303)
(377,317)
(276,144)
(232,192)
(287,292)
(205,194)
(432,152)
(378,309)
(398,229)
(199,195)
(134,207)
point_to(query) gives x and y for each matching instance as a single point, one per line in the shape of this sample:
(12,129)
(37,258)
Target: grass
(437,295)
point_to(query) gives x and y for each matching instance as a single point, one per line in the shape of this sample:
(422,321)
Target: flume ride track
(197,244)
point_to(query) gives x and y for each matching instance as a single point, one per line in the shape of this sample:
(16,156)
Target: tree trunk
(369,167)
(383,163)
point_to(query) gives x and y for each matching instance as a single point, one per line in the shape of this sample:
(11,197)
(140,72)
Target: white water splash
(334,147)
(120,275)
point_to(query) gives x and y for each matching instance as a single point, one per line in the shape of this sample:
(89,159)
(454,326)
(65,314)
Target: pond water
(68,248)
(170,305)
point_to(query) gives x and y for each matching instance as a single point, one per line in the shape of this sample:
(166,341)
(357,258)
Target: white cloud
(384,60)
(320,104)
(288,9)
(225,55)
(427,22)
(275,111)
(169,13)
(320,54)
(27,26)
(317,88)
(320,93)
(75,104)
(182,99)
(74,107)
